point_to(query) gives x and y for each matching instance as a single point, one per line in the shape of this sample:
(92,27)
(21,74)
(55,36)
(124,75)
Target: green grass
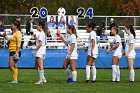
(56,82)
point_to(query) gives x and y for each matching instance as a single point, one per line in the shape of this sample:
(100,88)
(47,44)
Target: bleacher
(82,38)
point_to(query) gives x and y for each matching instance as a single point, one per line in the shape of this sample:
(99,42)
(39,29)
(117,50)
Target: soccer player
(14,49)
(117,46)
(130,51)
(92,52)
(71,54)
(40,52)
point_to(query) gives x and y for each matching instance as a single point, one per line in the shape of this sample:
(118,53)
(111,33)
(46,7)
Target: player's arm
(131,45)
(92,45)
(71,49)
(19,40)
(64,41)
(38,46)
(115,46)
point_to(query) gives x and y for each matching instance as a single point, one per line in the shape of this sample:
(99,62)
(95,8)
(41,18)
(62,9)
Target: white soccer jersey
(117,39)
(130,40)
(41,37)
(72,39)
(92,36)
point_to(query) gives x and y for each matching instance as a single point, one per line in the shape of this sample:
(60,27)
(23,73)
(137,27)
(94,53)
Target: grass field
(56,82)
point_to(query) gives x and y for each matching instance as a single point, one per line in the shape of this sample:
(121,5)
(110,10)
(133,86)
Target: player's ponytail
(131,30)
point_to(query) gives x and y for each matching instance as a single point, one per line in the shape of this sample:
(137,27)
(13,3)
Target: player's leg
(131,69)
(118,70)
(73,69)
(114,67)
(88,65)
(94,70)
(40,70)
(67,70)
(13,70)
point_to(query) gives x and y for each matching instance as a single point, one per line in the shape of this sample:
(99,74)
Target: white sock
(94,72)
(114,72)
(74,75)
(41,74)
(132,75)
(68,73)
(118,72)
(87,72)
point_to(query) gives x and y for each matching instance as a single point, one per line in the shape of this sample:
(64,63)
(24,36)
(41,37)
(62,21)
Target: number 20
(81,13)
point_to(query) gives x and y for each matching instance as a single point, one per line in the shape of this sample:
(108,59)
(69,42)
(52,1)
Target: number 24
(81,13)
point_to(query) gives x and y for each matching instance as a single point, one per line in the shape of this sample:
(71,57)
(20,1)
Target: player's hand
(91,53)
(68,57)
(108,50)
(126,54)
(16,55)
(33,53)
(123,54)
(85,49)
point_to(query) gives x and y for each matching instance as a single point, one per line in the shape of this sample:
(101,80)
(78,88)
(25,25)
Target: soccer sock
(74,75)
(118,72)
(94,72)
(16,74)
(114,72)
(87,72)
(132,75)
(41,74)
(68,73)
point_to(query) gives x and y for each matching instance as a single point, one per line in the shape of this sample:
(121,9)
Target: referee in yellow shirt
(14,49)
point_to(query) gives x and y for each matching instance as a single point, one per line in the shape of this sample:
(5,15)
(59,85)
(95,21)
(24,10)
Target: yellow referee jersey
(15,41)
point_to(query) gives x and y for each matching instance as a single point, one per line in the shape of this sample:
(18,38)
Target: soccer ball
(61,11)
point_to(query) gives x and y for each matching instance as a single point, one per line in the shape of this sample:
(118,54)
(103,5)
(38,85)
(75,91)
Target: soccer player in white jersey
(92,52)
(40,52)
(72,54)
(130,51)
(117,47)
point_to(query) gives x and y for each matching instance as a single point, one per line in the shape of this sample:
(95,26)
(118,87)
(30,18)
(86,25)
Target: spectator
(101,28)
(104,39)
(18,19)
(2,30)
(32,43)
(49,36)
(121,34)
(29,27)
(58,37)
(111,24)
(51,24)
(61,23)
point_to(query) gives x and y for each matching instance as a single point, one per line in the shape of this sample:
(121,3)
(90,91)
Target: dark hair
(91,25)
(131,30)
(72,28)
(52,20)
(17,23)
(116,29)
(42,24)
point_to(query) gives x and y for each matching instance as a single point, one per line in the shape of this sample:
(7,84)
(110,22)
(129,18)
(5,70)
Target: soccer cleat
(93,81)
(117,81)
(132,81)
(69,80)
(44,80)
(39,82)
(13,82)
(87,81)
(72,82)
